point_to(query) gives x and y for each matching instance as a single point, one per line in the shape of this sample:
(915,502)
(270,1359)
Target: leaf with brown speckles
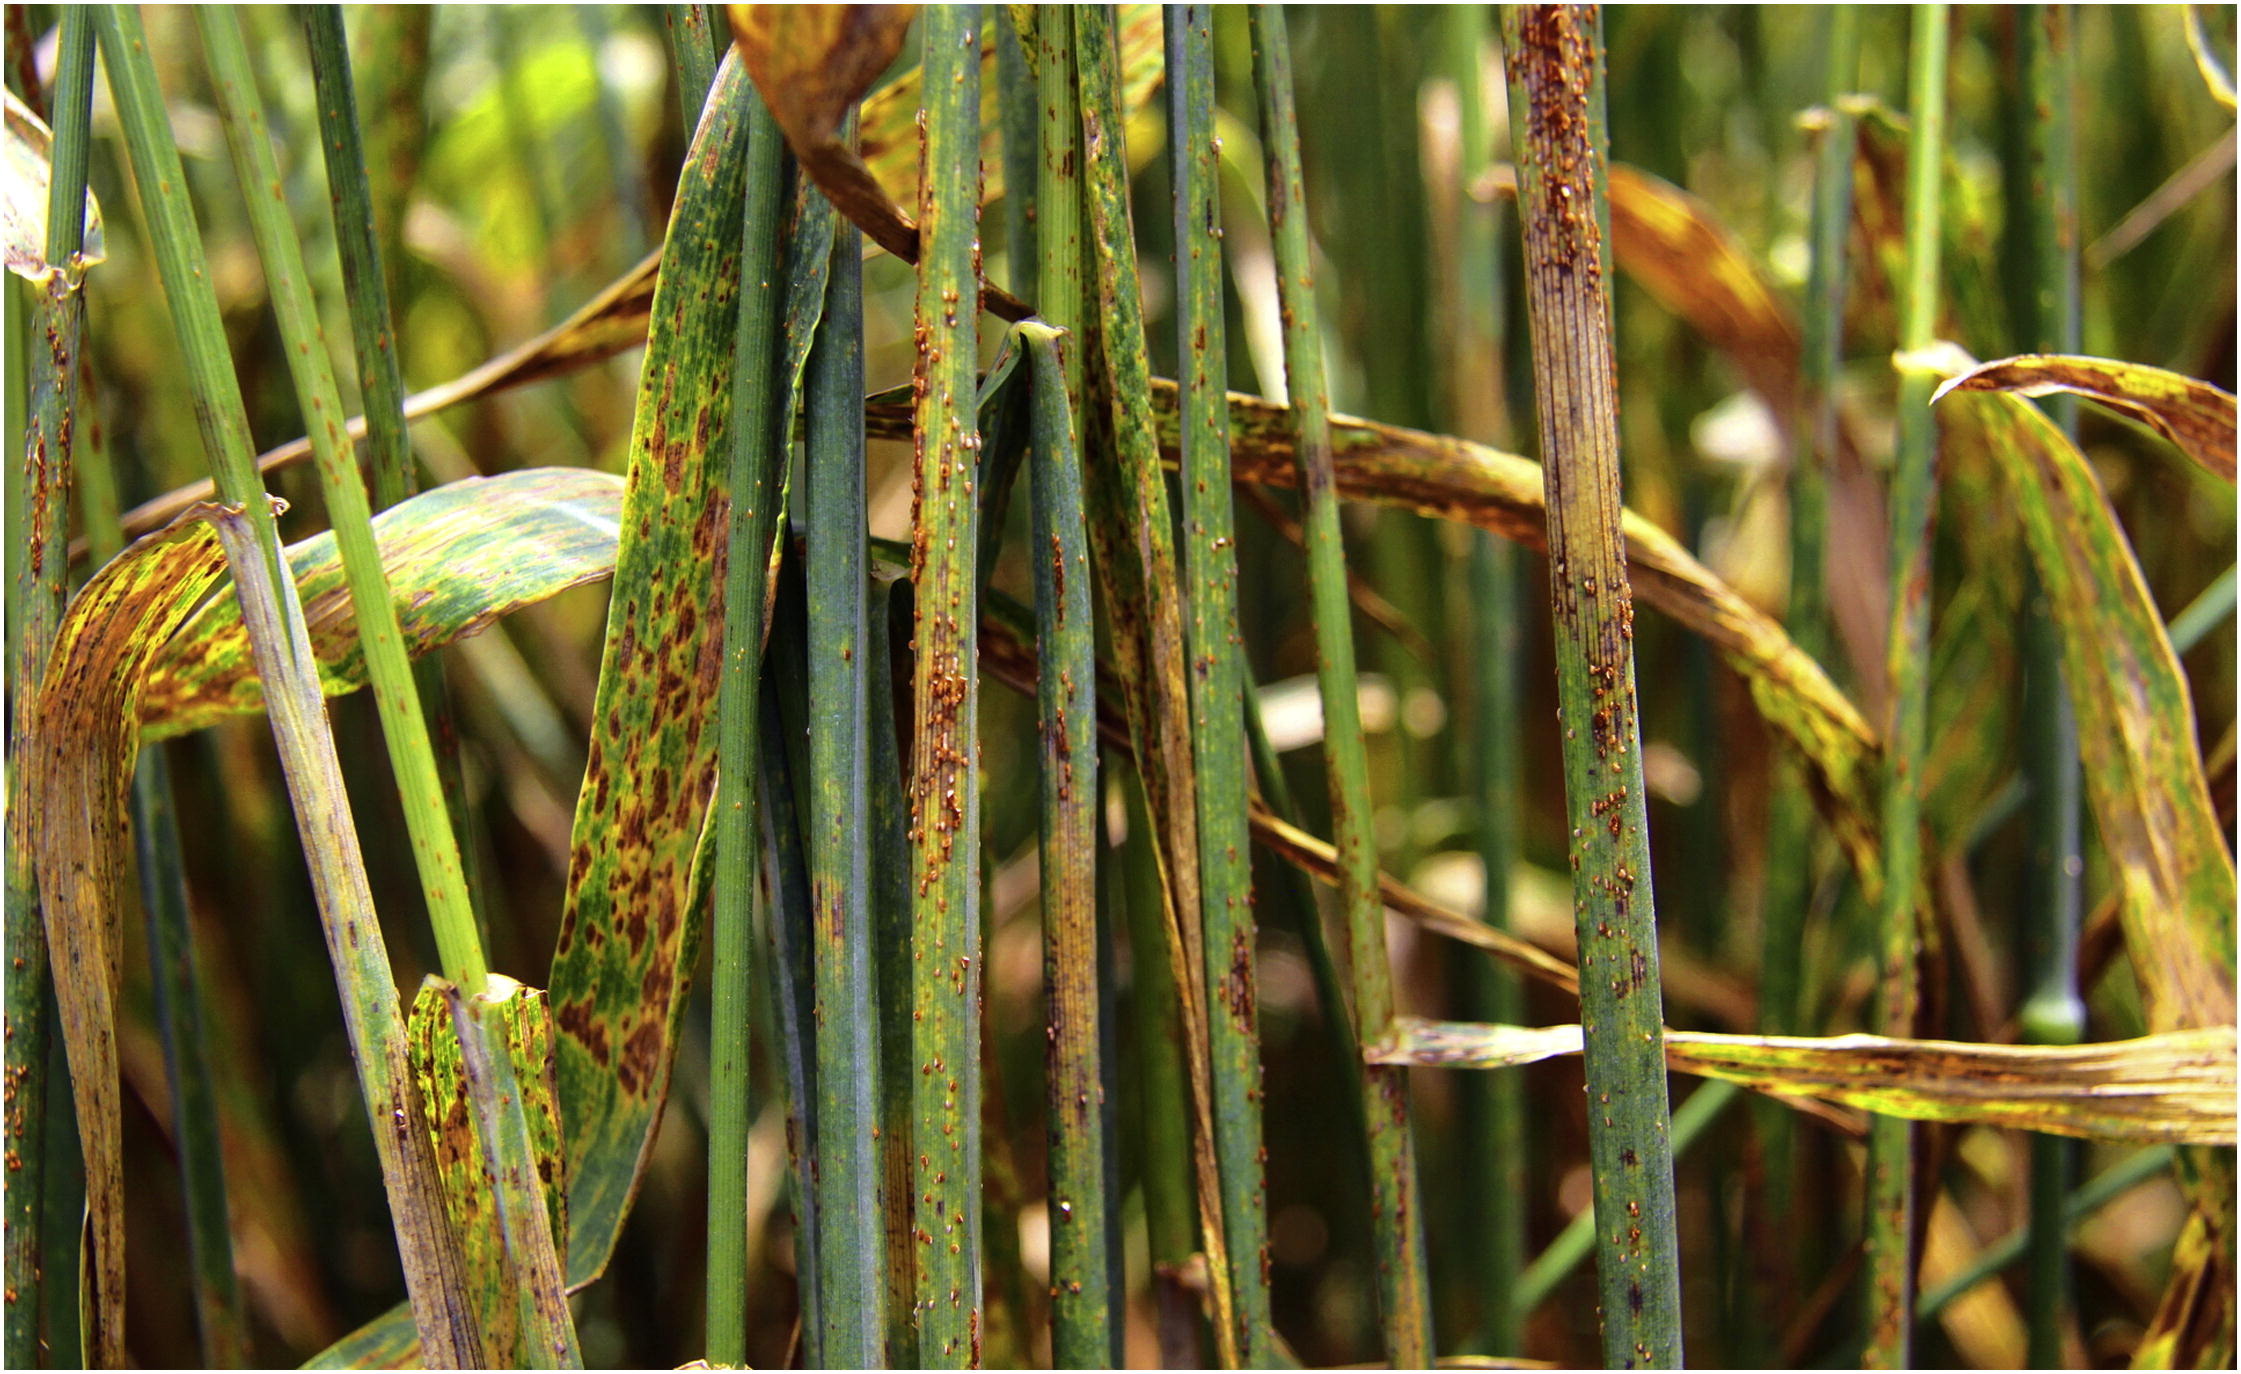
(2196,416)
(2143,775)
(457,558)
(81,754)
(630,931)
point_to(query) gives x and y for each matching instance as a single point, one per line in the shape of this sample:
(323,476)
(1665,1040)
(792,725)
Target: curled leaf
(2196,416)
(2175,1088)
(457,558)
(2136,723)
(812,63)
(81,752)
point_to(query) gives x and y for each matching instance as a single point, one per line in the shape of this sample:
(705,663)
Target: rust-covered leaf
(2196,416)
(457,558)
(81,755)
(494,1279)
(2173,1088)
(626,937)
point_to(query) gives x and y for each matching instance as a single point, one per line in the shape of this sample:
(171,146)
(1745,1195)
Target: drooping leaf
(81,756)
(25,172)
(457,558)
(1455,479)
(2136,725)
(1676,248)
(2196,416)
(2176,1087)
(812,63)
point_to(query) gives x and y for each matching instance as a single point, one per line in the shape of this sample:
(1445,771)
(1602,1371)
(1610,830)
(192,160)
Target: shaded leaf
(2136,724)
(81,755)
(25,172)
(2196,416)
(457,558)
(2176,1087)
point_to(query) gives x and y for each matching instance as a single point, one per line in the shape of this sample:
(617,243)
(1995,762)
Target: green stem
(1132,527)
(281,647)
(38,545)
(219,1314)
(1890,1185)
(1576,1241)
(1396,1202)
(1554,74)
(1494,1105)
(1297,906)
(1217,673)
(1163,1084)
(373,339)
(1086,1330)
(2210,606)
(1082,1325)
(1021,113)
(435,848)
(757,469)
(890,880)
(945,682)
(1790,848)
(2044,226)
(851,1268)
(782,764)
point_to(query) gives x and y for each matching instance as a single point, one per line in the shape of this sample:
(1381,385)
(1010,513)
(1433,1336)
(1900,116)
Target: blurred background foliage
(522,158)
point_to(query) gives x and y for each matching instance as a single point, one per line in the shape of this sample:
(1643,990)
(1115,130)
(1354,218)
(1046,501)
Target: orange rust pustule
(1561,62)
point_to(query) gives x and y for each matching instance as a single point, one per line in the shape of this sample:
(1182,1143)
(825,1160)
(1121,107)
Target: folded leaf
(2196,416)
(457,558)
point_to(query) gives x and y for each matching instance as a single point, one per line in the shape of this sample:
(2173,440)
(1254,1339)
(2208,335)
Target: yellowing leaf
(2196,416)
(2136,725)
(2176,1087)
(1454,479)
(457,558)
(81,755)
